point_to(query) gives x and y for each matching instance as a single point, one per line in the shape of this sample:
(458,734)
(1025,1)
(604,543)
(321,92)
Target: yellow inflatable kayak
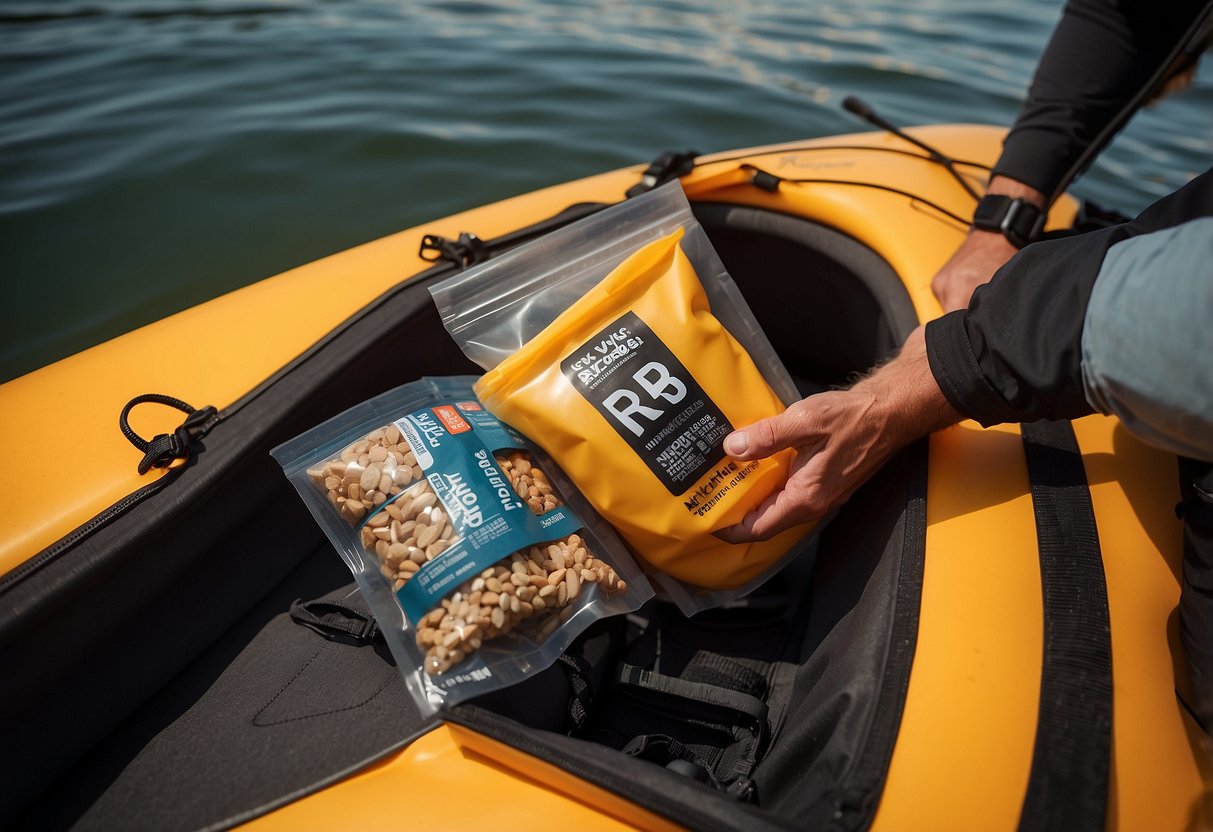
(912,672)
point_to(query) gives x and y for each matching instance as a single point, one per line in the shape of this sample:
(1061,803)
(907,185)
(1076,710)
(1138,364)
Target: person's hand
(981,254)
(974,263)
(841,438)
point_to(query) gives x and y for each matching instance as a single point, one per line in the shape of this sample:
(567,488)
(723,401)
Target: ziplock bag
(478,570)
(622,347)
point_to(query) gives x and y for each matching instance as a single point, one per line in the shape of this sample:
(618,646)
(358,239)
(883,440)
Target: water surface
(157,154)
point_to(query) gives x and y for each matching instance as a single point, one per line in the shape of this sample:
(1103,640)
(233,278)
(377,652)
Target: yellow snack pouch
(632,390)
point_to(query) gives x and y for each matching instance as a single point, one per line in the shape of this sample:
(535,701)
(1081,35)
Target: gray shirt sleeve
(1147,339)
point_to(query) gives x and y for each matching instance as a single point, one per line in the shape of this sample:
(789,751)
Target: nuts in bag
(477,568)
(621,345)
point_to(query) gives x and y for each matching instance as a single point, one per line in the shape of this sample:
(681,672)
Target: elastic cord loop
(163,449)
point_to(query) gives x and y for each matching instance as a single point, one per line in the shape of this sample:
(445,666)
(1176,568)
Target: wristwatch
(1019,220)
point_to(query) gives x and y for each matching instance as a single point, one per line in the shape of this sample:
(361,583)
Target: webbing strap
(1068,784)
(723,672)
(733,700)
(333,618)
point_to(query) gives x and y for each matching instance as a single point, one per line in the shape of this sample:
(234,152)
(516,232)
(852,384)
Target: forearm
(905,399)
(1100,56)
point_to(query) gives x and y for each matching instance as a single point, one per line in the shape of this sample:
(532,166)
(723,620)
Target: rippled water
(156,154)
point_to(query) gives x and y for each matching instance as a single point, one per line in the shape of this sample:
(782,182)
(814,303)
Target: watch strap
(1017,219)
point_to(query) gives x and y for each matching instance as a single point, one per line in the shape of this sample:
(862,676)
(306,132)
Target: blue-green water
(156,154)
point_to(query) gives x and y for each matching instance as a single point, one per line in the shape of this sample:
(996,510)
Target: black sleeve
(1100,55)
(1015,355)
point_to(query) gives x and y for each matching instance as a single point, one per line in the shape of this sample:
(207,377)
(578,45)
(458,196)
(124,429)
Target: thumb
(768,436)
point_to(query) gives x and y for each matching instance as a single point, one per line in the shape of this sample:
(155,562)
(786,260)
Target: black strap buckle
(671,164)
(162,450)
(466,251)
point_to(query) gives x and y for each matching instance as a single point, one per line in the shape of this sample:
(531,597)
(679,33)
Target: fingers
(801,426)
(792,428)
(804,498)
(776,514)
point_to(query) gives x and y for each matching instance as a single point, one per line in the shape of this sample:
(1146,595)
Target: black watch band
(1017,219)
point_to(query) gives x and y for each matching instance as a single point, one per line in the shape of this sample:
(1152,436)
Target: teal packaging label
(454,444)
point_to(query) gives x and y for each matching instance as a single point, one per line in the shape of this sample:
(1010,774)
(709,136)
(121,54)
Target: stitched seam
(290,682)
(387,681)
(265,724)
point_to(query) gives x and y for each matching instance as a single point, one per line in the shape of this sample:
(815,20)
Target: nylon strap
(1068,784)
(330,618)
(733,700)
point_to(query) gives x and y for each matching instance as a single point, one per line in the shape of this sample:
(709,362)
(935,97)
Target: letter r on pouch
(658,383)
(624,414)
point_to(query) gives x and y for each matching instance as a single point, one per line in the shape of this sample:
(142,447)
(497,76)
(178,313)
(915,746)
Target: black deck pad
(271,710)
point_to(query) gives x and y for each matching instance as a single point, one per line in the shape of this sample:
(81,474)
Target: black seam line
(78,534)
(131,500)
(358,316)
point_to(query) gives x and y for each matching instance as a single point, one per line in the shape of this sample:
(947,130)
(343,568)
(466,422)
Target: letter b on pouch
(646,394)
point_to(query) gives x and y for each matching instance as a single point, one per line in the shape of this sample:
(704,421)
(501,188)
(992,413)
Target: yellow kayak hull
(964,750)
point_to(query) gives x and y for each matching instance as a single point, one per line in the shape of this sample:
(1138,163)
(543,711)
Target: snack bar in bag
(630,363)
(460,537)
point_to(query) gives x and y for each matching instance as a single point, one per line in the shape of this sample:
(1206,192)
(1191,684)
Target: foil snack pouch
(479,561)
(632,391)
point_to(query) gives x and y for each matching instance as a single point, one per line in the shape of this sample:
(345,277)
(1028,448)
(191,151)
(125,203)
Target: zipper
(81,532)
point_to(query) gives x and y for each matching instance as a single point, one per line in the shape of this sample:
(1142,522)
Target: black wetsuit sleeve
(1101,54)
(1015,355)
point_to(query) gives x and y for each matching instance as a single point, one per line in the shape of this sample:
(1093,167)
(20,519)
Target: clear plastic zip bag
(623,348)
(479,561)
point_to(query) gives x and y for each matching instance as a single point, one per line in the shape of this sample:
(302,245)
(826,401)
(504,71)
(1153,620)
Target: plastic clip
(466,251)
(671,164)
